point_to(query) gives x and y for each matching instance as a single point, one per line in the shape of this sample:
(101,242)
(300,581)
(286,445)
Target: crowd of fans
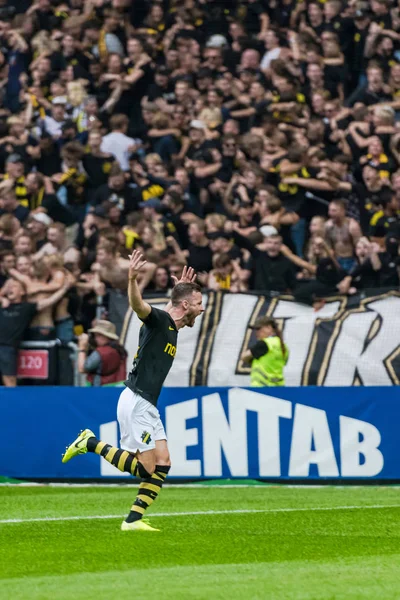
(255,140)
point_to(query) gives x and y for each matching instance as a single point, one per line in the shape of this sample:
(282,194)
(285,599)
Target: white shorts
(139,422)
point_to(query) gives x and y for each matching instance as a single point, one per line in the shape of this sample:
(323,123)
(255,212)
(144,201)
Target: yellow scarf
(224,281)
(36,105)
(130,237)
(103,52)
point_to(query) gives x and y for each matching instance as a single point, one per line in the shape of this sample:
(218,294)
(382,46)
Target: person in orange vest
(106,364)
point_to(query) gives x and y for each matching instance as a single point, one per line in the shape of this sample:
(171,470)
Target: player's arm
(136,302)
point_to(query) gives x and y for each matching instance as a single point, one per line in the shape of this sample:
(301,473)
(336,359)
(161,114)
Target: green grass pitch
(270,544)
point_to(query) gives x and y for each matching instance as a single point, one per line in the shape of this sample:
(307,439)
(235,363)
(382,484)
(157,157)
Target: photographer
(101,357)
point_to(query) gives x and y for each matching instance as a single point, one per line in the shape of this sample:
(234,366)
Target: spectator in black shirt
(316,81)
(380,49)
(50,159)
(7,262)
(328,277)
(97,164)
(365,274)
(389,273)
(15,316)
(357,59)
(191,201)
(373,92)
(386,220)
(69,55)
(271,271)
(145,185)
(315,19)
(161,88)
(43,13)
(197,138)
(40,193)
(175,206)
(116,191)
(334,22)
(369,192)
(9,203)
(199,252)
(381,14)
(37,227)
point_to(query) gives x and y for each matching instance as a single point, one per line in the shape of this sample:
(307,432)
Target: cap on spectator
(216,41)
(268,230)
(42,218)
(264,322)
(105,328)
(14,158)
(197,124)
(59,100)
(151,203)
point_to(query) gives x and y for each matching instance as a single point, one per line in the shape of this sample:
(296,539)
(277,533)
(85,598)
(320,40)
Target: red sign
(33,364)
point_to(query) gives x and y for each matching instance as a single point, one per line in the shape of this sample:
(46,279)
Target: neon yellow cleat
(79,446)
(142,525)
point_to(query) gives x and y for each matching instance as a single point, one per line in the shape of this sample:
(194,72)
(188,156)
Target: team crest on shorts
(146,437)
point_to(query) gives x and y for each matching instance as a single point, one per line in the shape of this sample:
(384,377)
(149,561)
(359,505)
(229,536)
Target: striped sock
(147,493)
(122,459)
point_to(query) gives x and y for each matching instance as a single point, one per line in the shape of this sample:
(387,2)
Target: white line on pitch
(202,512)
(136,485)
(281,485)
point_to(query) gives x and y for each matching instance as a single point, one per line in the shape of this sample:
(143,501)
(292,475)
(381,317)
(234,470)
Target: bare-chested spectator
(16,314)
(38,286)
(63,321)
(112,268)
(342,233)
(57,243)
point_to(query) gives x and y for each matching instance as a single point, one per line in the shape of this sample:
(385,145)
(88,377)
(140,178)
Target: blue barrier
(282,433)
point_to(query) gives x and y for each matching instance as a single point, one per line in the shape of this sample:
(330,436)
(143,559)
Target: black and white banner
(350,341)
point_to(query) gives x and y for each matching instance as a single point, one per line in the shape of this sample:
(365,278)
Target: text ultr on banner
(286,434)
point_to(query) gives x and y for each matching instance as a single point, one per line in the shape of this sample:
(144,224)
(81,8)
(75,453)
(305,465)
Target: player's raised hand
(188,276)
(136,264)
